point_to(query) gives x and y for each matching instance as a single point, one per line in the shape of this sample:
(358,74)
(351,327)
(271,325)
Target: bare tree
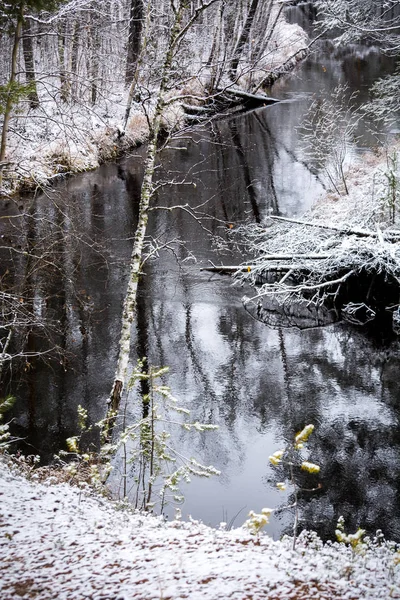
(181,25)
(357,20)
(372,21)
(328,132)
(136,18)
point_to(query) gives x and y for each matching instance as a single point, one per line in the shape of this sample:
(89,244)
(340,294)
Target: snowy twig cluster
(307,261)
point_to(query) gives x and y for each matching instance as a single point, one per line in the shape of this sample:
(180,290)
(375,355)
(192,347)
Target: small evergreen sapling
(354,540)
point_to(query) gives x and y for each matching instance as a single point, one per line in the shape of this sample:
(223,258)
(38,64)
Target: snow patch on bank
(369,201)
(59,542)
(59,138)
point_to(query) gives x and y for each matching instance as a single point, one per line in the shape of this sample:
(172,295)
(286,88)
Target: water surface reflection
(259,385)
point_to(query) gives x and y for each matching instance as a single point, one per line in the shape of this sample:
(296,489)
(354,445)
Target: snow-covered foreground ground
(58,542)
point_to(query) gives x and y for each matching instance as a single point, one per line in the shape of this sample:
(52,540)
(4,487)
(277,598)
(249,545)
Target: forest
(199,291)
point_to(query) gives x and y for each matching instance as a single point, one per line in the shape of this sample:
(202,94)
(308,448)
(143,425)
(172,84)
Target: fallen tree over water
(335,266)
(227,100)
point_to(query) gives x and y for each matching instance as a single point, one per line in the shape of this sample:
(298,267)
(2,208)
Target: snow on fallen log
(230,269)
(344,230)
(260,99)
(193,109)
(348,265)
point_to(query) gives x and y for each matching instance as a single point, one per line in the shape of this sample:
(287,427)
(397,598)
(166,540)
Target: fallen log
(228,269)
(195,119)
(271,257)
(226,99)
(344,230)
(247,268)
(268,257)
(191,109)
(316,256)
(248,97)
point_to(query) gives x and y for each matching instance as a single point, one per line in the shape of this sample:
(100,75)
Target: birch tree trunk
(177,33)
(129,309)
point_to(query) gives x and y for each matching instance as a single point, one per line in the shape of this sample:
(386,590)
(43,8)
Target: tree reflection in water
(258,384)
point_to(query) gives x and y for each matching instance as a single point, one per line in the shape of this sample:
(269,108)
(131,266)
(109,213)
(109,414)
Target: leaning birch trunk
(129,309)
(177,33)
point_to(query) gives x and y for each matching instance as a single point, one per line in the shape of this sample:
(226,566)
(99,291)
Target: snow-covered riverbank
(58,542)
(58,138)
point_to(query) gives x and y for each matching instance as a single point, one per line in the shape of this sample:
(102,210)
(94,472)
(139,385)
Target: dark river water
(258,384)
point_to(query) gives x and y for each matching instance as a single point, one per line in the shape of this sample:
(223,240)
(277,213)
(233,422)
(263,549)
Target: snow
(62,542)
(60,138)
(368,201)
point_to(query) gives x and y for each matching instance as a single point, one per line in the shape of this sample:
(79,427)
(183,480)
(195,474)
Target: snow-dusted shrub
(59,159)
(193,91)
(290,463)
(5,436)
(173,117)
(137,128)
(328,131)
(109,144)
(151,467)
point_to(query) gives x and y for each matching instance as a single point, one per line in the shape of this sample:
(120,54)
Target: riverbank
(59,542)
(341,259)
(60,138)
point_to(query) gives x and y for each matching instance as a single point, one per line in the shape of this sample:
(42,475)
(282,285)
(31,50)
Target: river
(259,385)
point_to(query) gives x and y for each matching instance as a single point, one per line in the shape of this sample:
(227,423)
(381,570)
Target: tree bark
(213,59)
(27,47)
(11,81)
(93,42)
(134,38)
(244,36)
(64,79)
(74,59)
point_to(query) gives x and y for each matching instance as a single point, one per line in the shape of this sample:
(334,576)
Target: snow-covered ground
(373,183)
(59,542)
